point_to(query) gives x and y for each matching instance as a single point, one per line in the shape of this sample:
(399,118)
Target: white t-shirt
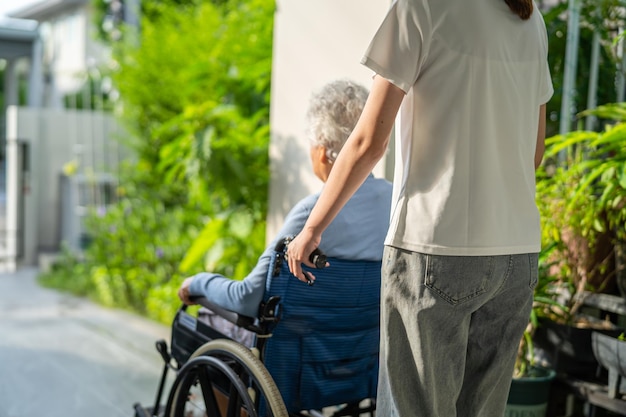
(475,75)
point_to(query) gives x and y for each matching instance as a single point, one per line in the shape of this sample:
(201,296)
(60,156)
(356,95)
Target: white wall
(315,42)
(71,52)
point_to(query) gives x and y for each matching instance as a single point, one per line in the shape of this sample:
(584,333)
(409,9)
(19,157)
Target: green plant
(194,196)
(207,128)
(180,80)
(136,245)
(581,194)
(108,19)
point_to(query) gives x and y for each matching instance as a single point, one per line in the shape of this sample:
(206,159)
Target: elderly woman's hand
(298,252)
(183,292)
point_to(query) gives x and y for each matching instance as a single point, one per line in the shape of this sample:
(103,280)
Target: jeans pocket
(458,279)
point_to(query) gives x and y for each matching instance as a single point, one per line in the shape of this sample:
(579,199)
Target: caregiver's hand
(298,252)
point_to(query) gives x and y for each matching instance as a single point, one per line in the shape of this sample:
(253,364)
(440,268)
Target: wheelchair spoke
(235,404)
(208,394)
(213,367)
(183,408)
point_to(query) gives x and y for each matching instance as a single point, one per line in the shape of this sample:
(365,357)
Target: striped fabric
(324,350)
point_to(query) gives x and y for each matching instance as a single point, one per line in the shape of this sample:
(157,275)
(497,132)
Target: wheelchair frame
(232,378)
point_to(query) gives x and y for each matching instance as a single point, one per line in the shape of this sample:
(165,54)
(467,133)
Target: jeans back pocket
(458,279)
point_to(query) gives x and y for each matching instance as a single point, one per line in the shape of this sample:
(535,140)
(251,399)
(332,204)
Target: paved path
(67,357)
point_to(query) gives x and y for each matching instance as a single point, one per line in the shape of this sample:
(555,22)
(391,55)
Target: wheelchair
(315,350)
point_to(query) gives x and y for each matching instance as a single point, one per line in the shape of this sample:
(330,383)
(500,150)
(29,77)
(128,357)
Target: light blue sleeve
(245,296)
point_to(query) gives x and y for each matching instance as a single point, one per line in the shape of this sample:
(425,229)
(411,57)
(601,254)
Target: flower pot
(567,349)
(529,395)
(611,354)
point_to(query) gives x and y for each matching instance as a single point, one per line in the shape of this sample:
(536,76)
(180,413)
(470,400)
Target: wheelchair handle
(317,257)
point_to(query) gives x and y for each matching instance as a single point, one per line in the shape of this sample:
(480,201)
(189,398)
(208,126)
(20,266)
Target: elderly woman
(357,233)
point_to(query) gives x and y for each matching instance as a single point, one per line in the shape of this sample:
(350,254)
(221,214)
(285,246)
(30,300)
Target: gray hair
(333,113)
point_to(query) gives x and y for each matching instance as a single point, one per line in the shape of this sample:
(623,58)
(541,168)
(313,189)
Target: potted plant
(530,394)
(581,194)
(611,354)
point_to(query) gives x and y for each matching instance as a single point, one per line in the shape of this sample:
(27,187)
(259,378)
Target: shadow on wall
(292,177)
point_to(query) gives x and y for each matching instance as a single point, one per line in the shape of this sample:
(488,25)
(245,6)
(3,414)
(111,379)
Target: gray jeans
(450,330)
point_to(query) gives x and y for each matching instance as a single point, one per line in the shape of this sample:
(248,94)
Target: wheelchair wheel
(224,379)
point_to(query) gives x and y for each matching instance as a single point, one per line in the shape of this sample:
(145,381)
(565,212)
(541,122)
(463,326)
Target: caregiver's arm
(363,149)
(541,136)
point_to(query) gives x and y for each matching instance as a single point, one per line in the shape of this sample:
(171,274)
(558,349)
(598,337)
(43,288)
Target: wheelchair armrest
(268,314)
(233,317)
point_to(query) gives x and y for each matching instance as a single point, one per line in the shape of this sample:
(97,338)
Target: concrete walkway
(67,357)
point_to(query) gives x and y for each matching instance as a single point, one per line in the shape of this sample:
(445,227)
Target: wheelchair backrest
(324,349)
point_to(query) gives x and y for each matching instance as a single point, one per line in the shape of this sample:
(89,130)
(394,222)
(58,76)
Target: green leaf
(556,144)
(240,224)
(614,111)
(598,225)
(622,177)
(209,235)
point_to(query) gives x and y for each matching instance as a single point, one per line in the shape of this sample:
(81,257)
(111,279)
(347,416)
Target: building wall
(71,51)
(314,42)
(82,143)
(64,37)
